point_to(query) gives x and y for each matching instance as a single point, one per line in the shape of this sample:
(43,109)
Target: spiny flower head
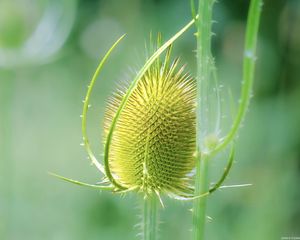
(150,131)
(153,143)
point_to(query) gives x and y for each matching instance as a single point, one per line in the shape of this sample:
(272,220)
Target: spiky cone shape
(153,144)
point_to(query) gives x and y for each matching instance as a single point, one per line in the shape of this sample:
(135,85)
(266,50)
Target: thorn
(237,185)
(209,219)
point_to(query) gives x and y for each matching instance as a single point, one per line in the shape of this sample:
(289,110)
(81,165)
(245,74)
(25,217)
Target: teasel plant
(157,139)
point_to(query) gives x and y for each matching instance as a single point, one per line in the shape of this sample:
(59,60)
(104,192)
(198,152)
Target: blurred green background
(48,52)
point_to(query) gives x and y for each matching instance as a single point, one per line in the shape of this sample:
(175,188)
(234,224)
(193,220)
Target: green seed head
(154,139)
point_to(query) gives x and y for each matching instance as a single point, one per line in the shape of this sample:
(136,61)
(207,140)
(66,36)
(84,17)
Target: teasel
(150,134)
(156,141)
(153,144)
(150,130)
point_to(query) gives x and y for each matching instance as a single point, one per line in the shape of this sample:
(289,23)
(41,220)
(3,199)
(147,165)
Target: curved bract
(154,138)
(86,105)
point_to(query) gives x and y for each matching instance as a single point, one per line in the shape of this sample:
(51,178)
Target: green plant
(205,69)
(154,129)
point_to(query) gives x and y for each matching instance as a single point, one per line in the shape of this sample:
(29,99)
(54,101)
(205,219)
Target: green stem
(203,70)
(203,34)
(199,208)
(150,220)
(248,71)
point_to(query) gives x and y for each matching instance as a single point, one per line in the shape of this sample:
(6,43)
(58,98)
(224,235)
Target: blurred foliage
(41,100)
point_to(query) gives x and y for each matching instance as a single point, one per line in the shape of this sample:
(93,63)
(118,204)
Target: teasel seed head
(154,140)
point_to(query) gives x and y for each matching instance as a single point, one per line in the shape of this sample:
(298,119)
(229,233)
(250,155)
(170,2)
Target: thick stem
(199,208)
(203,71)
(150,217)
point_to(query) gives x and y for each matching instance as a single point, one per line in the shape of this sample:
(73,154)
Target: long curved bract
(86,106)
(82,183)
